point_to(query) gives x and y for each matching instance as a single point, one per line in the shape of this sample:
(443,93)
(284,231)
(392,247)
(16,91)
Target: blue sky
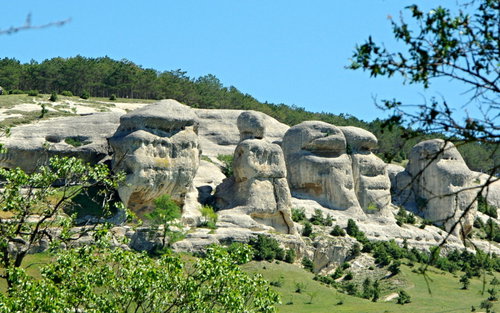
(281,51)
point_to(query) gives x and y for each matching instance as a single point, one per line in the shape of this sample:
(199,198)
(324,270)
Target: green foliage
(307,230)
(352,229)
(403,297)
(33,93)
(290,256)
(47,202)
(465,281)
(484,207)
(404,217)
(161,217)
(337,231)
(53,96)
(394,268)
(85,95)
(76,141)
(210,217)
(91,279)
(227,164)
(112,97)
(317,218)
(16,92)
(266,248)
(298,214)
(307,264)
(355,250)
(67,93)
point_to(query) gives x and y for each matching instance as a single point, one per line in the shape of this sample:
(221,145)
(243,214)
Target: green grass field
(446,293)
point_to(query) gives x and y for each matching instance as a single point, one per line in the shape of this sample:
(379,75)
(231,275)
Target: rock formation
(371,180)
(84,137)
(437,182)
(157,148)
(318,165)
(335,166)
(257,195)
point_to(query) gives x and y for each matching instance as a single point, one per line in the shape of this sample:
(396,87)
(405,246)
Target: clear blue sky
(281,51)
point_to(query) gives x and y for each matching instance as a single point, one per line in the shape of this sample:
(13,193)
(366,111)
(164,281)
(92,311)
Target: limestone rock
(157,147)
(371,180)
(251,125)
(84,137)
(490,187)
(440,184)
(257,196)
(318,165)
(219,133)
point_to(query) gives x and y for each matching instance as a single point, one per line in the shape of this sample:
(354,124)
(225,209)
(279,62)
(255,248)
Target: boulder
(439,183)
(371,181)
(84,137)
(257,196)
(489,187)
(219,132)
(318,165)
(157,148)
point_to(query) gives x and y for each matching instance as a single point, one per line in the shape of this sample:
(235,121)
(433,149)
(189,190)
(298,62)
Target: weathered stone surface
(257,196)
(219,133)
(440,184)
(371,180)
(392,171)
(157,147)
(489,187)
(251,125)
(30,146)
(318,165)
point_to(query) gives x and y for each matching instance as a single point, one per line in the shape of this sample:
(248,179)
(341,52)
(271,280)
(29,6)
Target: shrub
(67,93)
(308,264)
(16,92)
(337,231)
(210,217)
(352,229)
(33,93)
(85,95)
(112,97)
(394,268)
(53,96)
(349,276)
(266,248)
(404,297)
(227,164)
(339,271)
(298,215)
(355,250)
(290,256)
(317,218)
(307,230)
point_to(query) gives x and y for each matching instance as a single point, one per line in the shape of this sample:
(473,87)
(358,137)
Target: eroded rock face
(84,137)
(318,165)
(157,148)
(371,180)
(257,196)
(438,181)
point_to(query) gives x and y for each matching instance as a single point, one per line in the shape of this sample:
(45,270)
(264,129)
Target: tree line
(104,77)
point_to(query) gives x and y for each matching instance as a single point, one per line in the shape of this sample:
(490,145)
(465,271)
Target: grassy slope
(446,294)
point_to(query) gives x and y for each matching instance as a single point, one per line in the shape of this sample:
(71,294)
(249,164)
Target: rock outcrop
(318,165)
(84,137)
(371,180)
(157,148)
(336,167)
(257,196)
(219,134)
(437,183)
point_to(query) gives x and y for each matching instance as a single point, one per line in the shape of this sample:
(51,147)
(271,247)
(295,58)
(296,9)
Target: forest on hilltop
(104,77)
